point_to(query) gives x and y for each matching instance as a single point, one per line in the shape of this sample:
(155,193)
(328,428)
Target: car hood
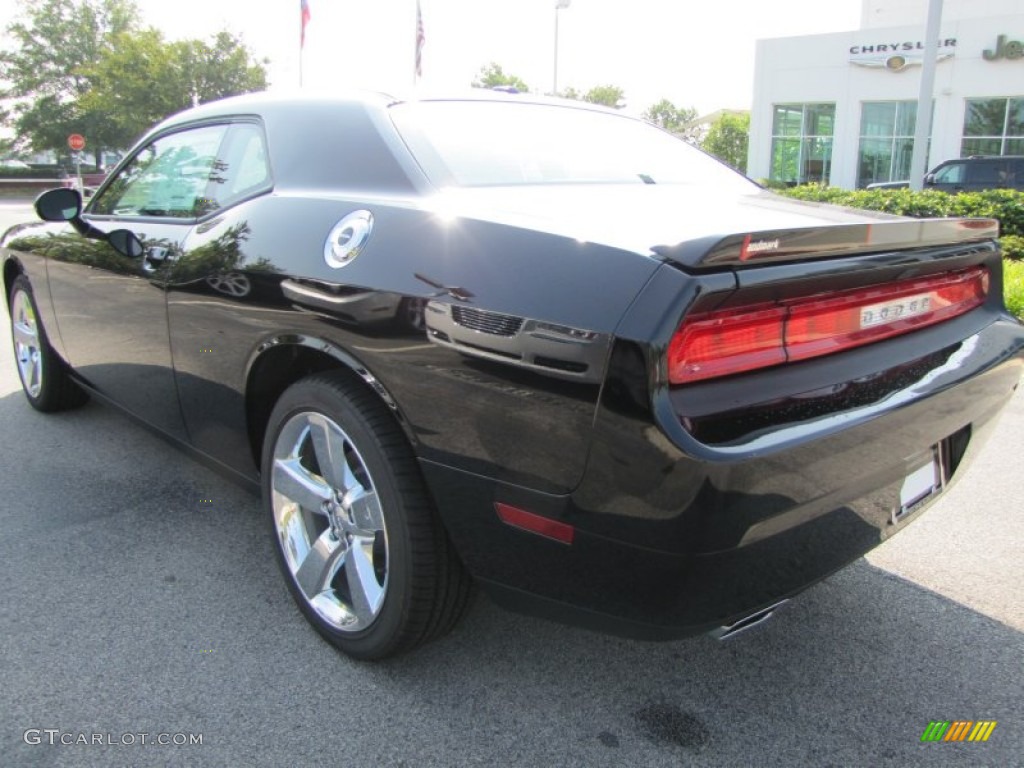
(699,227)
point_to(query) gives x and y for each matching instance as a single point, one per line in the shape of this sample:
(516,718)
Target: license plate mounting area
(922,483)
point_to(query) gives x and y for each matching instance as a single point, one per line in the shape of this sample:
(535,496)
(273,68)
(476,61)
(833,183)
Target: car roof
(264,102)
(302,126)
(982,157)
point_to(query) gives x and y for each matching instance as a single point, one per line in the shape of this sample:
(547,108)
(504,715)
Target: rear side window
(988,172)
(1016,177)
(244,169)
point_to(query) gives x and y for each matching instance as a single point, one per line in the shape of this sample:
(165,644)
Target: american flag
(304,10)
(421,38)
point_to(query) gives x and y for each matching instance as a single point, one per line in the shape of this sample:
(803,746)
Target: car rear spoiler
(788,245)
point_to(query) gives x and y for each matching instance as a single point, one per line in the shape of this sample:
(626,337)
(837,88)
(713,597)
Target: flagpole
(304,17)
(417,65)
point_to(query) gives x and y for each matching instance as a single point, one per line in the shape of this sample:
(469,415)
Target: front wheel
(361,547)
(44,376)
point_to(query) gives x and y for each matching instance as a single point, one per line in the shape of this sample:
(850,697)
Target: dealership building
(841,108)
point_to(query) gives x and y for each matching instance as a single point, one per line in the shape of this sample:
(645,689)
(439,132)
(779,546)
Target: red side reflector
(745,338)
(534,523)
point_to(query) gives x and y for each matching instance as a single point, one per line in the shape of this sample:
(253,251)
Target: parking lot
(141,596)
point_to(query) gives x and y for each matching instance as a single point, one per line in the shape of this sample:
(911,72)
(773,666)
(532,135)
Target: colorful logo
(958,730)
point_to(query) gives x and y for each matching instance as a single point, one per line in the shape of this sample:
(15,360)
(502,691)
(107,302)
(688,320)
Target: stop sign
(76,141)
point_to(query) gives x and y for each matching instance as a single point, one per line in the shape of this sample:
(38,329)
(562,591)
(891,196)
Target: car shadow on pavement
(142,596)
(849,673)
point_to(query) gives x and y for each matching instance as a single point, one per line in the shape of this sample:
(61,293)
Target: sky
(698,54)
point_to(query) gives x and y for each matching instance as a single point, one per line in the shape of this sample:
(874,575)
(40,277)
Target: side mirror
(929,178)
(66,205)
(59,205)
(125,242)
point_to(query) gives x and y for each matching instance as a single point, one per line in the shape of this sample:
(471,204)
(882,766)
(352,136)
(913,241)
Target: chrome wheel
(329,521)
(27,349)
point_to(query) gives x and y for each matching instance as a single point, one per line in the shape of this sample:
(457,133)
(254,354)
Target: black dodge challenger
(534,345)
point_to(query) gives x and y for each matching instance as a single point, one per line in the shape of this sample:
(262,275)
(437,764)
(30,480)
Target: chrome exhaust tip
(747,622)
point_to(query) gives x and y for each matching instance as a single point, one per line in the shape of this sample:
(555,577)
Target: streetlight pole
(559,5)
(924,100)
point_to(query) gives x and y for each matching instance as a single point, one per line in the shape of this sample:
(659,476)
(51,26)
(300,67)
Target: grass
(1013,286)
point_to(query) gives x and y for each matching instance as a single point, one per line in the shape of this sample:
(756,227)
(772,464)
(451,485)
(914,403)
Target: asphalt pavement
(140,596)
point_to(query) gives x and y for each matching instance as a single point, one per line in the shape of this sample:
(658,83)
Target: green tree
(54,44)
(728,138)
(134,85)
(492,76)
(673,119)
(144,79)
(570,93)
(609,95)
(85,66)
(221,68)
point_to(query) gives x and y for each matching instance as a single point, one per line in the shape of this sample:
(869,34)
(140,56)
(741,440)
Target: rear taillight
(742,339)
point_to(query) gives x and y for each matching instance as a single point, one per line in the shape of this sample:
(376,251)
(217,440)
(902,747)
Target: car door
(111,310)
(222,295)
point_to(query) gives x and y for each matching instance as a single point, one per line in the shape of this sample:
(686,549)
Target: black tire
(44,376)
(409,317)
(423,587)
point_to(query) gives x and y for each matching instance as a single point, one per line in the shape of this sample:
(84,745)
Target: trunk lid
(704,229)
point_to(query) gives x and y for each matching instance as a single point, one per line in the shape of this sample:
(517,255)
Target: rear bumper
(673,537)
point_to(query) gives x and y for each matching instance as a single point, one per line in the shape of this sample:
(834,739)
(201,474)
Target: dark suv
(970,174)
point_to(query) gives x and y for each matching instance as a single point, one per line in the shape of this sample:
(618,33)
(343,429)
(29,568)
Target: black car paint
(682,523)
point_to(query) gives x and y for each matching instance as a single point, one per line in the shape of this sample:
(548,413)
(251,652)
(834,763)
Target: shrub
(1005,205)
(40,172)
(1013,247)
(1013,286)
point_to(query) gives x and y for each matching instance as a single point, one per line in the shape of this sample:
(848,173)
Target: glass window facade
(802,142)
(886,141)
(993,127)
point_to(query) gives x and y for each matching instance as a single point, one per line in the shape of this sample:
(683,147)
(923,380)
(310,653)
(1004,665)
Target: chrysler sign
(897,56)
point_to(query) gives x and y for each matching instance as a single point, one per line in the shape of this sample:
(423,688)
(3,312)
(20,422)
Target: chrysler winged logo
(896,62)
(898,56)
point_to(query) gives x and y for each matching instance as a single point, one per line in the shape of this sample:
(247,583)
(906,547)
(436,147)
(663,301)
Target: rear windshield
(487,143)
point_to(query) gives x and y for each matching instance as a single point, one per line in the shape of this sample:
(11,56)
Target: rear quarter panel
(486,416)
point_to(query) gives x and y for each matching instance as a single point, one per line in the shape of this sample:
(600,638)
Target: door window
(170,177)
(951,174)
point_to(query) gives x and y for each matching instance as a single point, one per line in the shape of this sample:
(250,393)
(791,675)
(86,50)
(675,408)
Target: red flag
(421,38)
(305,20)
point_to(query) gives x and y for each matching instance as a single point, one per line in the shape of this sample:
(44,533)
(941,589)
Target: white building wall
(904,13)
(818,68)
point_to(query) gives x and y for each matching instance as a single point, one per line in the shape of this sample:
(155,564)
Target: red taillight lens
(745,338)
(721,343)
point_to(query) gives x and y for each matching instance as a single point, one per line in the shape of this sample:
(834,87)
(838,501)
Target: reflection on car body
(355,305)
(549,348)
